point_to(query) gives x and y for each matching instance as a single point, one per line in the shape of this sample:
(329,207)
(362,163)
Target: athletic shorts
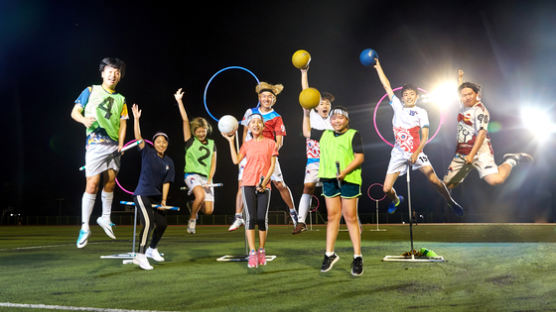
(347,190)
(276,175)
(483,162)
(312,173)
(399,159)
(193,180)
(100,157)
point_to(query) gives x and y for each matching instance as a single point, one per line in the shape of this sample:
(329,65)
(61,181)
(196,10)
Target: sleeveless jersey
(107,108)
(198,157)
(338,149)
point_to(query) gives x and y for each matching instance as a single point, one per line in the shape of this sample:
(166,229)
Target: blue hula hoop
(213,76)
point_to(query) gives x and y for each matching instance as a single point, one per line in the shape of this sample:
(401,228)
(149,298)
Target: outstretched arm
(304,79)
(383,79)
(307,123)
(136,129)
(235,157)
(186,129)
(460,77)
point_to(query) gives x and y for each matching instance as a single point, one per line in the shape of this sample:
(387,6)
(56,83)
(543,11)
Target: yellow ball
(301,59)
(309,98)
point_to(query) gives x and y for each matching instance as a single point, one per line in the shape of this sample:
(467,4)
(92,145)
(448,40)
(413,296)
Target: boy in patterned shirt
(473,143)
(407,122)
(103,112)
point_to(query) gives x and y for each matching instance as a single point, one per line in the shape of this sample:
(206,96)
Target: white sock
(304,205)
(238,216)
(329,254)
(510,161)
(357,256)
(87,204)
(106,204)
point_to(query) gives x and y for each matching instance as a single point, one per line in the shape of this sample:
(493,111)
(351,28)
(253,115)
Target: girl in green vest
(200,163)
(341,156)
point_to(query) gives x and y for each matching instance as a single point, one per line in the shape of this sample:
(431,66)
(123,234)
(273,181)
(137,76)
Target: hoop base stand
(126,257)
(376,200)
(411,258)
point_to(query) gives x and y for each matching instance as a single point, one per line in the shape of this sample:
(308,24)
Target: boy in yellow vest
(103,112)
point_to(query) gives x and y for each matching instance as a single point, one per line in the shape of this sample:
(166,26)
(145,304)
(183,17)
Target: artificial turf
(489,267)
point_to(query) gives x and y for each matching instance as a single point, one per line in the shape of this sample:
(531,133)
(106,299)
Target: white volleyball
(227,124)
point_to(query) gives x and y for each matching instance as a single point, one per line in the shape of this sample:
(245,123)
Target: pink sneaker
(262,256)
(253,262)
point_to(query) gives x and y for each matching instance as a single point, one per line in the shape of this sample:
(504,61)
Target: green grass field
(489,267)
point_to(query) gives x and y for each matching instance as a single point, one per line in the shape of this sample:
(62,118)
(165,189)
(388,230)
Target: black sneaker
(300,227)
(519,157)
(328,262)
(357,266)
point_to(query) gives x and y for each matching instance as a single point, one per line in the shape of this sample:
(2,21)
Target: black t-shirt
(155,171)
(356,142)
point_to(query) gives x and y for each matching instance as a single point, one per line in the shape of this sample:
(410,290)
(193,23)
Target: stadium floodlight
(537,121)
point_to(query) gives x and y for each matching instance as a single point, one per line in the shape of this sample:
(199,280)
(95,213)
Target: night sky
(50,51)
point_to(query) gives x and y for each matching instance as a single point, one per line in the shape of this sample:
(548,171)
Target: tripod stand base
(412,259)
(228,258)
(127,255)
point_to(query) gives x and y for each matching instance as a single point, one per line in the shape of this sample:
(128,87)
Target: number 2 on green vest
(201,159)
(106,106)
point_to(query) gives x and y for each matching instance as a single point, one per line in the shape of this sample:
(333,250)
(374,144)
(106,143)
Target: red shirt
(259,155)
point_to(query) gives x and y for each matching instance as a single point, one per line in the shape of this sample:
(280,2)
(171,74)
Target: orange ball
(301,59)
(309,98)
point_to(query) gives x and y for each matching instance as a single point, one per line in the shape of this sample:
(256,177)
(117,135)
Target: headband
(160,133)
(254,116)
(267,90)
(339,111)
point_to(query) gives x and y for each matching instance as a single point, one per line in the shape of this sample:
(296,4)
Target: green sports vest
(198,157)
(337,149)
(106,108)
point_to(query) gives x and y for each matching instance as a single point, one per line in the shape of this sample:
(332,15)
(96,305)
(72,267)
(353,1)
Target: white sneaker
(106,225)
(83,238)
(153,254)
(142,261)
(238,222)
(191,226)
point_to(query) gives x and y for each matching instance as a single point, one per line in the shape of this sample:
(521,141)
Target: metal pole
(409,207)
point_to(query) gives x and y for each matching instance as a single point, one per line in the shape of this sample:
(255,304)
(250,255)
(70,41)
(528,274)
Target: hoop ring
(369,192)
(318,203)
(378,131)
(213,76)
(118,182)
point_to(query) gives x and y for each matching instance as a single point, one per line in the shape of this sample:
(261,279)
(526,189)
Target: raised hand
(179,95)
(136,111)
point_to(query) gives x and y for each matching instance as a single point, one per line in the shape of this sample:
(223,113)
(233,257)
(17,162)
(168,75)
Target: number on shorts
(106,106)
(201,159)
(423,158)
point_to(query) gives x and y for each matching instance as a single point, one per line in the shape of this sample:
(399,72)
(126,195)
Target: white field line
(68,308)
(45,246)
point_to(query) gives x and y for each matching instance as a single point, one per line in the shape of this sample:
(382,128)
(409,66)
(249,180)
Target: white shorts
(312,173)
(194,180)
(276,175)
(399,159)
(241,167)
(458,170)
(99,158)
